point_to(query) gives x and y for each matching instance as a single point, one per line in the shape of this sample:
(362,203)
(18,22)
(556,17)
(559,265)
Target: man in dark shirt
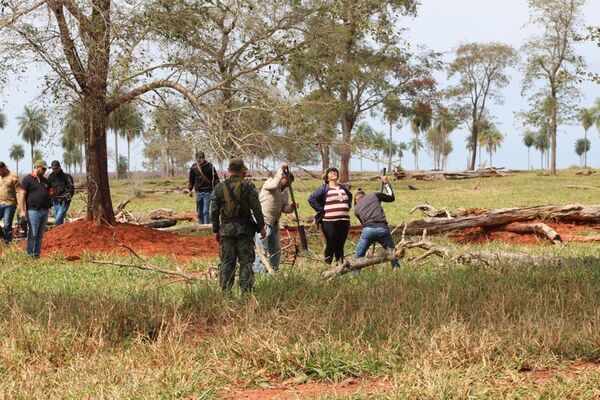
(64,188)
(34,204)
(203,179)
(369,212)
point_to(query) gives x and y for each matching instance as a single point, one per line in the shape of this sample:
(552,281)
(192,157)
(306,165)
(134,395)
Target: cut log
(536,229)
(494,218)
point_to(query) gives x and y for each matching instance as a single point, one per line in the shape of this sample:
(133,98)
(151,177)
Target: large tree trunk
(100,209)
(346,156)
(325,156)
(553,130)
(99,204)
(116,152)
(474,134)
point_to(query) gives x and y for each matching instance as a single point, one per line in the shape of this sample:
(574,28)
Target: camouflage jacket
(250,218)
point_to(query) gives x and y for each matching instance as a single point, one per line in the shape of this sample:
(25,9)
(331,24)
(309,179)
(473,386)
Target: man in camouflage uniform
(236,216)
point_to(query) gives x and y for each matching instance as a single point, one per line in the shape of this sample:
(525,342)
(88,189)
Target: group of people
(33,196)
(245,220)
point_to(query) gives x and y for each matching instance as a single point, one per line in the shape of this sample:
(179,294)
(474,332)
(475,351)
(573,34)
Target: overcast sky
(440,25)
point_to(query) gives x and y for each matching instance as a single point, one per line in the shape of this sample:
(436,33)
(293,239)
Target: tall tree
(481,69)
(2,120)
(551,59)
(16,153)
(445,122)
(402,147)
(32,127)
(83,43)
(542,143)
(528,141)
(415,145)
(358,60)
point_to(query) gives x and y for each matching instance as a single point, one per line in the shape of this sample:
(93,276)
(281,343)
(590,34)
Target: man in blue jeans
(64,188)
(9,188)
(203,179)
(369,212)
(34,203)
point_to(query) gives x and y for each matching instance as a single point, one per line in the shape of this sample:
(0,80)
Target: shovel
(301,231)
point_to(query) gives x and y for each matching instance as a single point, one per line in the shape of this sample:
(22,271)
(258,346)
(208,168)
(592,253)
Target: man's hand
(23,215)
(52,192)
(218,237)
(284,166)
(263,233)
(190,193)
(384,179)
(294,206)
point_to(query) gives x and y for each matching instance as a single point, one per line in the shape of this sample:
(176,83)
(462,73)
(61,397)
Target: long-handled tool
(301,231)
(382,188)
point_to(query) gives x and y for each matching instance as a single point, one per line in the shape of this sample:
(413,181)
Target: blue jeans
(37,220)
(271,247)
(59,210)
(203,207)
(376,235)
(7,212)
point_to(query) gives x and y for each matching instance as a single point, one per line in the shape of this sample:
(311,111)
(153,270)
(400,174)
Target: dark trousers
(236,249)
(336,233)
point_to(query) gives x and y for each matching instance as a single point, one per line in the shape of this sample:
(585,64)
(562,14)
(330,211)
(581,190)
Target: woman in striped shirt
(332,201)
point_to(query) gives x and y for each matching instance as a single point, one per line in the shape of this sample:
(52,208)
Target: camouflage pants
(237,249)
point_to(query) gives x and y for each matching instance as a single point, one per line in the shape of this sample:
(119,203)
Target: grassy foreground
(438,330)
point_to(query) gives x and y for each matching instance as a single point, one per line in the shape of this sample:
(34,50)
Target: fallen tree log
(449,175)
(400,252)
(189,229)
(494,218)
(501,258)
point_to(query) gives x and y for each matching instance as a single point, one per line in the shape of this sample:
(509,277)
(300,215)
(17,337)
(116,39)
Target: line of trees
(269,79)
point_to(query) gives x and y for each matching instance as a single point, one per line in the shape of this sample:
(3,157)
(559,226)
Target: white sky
(440,25)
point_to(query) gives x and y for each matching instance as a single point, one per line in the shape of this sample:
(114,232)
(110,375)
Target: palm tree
(586,117)
(38,155)
(445,123)
(435,142)
(542,143)
(493,140)
(528,141)
(363,138)
(17,153)
(420,122)
(392,112)
(133,127)
(32,127)
(75,129)
(2,120)
(582,146)
(402,147)
(415,145)
(448,148)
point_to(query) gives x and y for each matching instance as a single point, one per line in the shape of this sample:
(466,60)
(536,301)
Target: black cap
(2,165)
(237,164)
(55,164)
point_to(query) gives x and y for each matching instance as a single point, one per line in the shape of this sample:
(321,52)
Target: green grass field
(430,331)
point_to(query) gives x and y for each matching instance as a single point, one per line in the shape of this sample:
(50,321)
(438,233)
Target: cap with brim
(237,164)
(41,163)
(55,164)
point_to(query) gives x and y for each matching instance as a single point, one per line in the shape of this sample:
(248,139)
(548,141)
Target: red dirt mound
(75,238)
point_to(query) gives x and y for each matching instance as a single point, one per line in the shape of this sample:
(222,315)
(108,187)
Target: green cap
(41,163)
(237,164)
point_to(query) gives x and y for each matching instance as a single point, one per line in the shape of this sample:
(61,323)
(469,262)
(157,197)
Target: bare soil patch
(73,239)
(312,390)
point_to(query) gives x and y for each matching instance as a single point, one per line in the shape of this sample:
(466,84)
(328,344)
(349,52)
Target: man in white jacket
(274,202)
